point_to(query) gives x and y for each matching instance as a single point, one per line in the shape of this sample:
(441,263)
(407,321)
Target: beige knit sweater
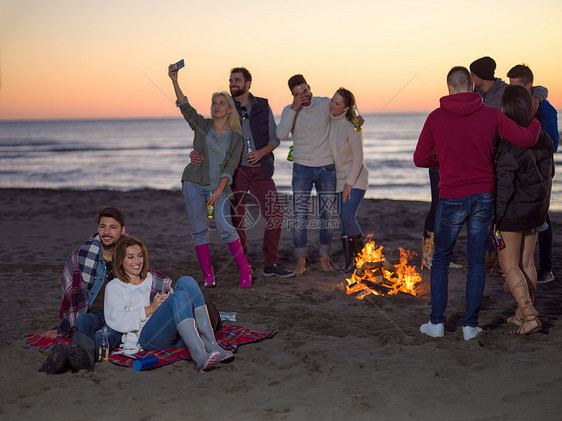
(346,146)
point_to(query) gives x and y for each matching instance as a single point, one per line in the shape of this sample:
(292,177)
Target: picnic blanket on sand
(228,337)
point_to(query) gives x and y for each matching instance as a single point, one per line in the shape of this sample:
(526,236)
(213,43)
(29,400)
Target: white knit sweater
(124,310)
(309,126)
(346,146)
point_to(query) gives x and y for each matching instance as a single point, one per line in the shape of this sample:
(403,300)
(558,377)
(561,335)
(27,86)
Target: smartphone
(179,64)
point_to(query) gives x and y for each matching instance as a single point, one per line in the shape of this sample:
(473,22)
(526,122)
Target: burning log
(360,271)
(375,275)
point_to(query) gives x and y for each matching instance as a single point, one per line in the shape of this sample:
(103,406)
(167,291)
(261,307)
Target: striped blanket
(228,337)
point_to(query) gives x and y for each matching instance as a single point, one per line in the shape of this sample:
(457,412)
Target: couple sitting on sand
(107,282)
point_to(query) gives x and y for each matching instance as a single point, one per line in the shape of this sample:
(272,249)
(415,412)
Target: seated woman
(151,318)
(352,177)
(207,184)
(523,185)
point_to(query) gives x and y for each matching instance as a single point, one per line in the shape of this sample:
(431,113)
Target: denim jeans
(92,323)
(348,212)
(434,185)
(160,332)
(477,211)
(195,198)
(545,248)
(324,179)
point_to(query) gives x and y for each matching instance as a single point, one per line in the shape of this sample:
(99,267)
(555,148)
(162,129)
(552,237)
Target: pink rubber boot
(245,269)
(204,256)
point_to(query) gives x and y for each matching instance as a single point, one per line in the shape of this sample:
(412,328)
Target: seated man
(86,273)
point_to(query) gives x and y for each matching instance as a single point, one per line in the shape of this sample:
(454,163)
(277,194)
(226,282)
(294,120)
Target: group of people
(495,171)
(107,281)
(233,154)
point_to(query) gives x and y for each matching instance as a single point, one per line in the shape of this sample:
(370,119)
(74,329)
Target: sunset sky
(108,59)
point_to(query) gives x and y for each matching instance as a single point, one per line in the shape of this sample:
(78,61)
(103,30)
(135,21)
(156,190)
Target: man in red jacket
(459,138)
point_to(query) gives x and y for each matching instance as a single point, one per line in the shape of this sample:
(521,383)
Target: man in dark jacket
(546,114)
(459,137)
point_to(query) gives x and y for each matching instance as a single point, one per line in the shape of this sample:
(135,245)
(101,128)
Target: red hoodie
(458,137)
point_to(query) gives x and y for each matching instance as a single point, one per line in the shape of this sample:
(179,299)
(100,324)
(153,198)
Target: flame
(375,275)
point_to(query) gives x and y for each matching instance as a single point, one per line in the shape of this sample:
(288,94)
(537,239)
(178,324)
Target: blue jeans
(545,249)
(195,198)
(324,179)
(91,325)
(477,211)
(434,185)
(160,332)
(348,212)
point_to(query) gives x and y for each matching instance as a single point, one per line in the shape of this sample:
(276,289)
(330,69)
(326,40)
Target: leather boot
(241,262)
(57,360)
(207,334)
(204,360)
(356,247)
(82,352)
(204,257)
(348,253)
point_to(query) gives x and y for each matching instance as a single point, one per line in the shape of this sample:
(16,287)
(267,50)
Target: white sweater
(309,126)
(346,146)
(124,310)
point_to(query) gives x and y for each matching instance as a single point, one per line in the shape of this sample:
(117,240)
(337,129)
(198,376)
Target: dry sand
(334,357)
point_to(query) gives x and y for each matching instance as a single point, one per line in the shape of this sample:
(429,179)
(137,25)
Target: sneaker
(545,278)
(471,332)
(57,360)
(434,330)
(277,270)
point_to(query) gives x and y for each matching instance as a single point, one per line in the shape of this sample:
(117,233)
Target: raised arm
(196,121)
(173,73)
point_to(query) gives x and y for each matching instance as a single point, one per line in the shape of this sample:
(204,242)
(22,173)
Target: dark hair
(523,72)
(119,254)
(517,104)
(110,212)
(459,78)
(244,71)
(296,80)
(348,100)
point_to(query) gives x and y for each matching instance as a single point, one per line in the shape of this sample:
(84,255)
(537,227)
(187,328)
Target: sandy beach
(333,357)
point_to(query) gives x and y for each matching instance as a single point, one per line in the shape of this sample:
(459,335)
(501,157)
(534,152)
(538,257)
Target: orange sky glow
(107,59)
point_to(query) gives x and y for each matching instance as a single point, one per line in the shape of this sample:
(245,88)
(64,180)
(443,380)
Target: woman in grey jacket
(206,185)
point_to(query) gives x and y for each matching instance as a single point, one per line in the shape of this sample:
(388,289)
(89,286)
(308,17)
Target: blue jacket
(547,116)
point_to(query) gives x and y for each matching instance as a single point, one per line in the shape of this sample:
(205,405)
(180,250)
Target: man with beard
(256,170)
(308,120)
(86,273)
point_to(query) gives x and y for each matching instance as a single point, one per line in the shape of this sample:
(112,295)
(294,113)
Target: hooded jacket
(524,182)
(459,137)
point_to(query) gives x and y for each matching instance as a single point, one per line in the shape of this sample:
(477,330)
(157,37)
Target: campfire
(375,275)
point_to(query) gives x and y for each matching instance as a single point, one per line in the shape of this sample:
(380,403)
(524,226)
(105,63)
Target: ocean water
(151,153)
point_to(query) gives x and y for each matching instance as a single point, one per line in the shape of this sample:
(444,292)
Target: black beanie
(484,68)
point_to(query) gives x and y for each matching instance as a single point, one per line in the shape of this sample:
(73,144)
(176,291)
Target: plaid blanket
(228,337)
